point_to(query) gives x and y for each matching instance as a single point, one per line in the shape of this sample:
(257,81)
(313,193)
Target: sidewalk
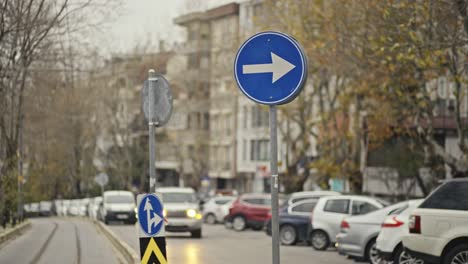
(11,232)
(8,227)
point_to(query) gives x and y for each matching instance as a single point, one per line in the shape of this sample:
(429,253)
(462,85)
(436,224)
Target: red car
(249,210)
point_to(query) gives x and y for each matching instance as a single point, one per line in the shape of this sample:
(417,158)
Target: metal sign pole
(152,126)
(274,186)
(156,101)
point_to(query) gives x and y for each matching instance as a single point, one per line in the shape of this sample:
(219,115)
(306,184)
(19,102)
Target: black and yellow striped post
(153,250)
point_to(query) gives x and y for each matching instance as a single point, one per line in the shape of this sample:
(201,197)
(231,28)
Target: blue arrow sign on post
(271,68)
(150,215)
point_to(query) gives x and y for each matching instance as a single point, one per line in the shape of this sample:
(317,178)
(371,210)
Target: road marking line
(41,251)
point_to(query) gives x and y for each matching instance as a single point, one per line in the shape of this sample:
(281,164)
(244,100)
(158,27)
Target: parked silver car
(358,233)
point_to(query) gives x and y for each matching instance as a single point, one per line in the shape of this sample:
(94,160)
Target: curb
(14,232)
(123,248)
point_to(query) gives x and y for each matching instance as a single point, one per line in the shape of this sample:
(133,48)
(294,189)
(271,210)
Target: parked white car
(216,209)
(35,209)
(438,228)
(394,227)
(84,207)
(93,207)
(45,208)
(331,210)
(309,195)
(74,208)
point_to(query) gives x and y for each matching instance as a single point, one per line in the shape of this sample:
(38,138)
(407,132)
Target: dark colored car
(249,210)
(294,222)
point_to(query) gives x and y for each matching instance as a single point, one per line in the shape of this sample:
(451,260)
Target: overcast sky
(145,22)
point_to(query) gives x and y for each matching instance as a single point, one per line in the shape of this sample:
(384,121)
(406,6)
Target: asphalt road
(59,240)
(222,246)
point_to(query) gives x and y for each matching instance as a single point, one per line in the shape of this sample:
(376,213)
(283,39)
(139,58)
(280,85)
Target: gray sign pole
(152,126)
(274,186)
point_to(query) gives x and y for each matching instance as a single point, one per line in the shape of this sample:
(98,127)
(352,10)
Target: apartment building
(121,122)
(238,137)
(190,125)
(224,22)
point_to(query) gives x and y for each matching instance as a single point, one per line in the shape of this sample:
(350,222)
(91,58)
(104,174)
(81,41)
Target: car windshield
(177,197)
(223,201)
(119,199)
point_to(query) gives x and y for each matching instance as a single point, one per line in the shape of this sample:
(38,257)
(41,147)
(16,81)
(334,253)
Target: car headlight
(192,213)
(164,213)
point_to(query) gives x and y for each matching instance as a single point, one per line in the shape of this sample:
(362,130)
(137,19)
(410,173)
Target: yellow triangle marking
(153,247)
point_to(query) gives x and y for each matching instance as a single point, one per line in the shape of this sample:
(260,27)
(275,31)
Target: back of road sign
(271,68)
(151,226)
(162,100)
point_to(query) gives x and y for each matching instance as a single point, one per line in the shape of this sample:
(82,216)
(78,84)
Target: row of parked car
(181,209)
(75,207)
(113,205)
(432,230)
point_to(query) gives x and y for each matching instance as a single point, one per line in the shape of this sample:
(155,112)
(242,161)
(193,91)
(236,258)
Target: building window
(244,150)
(246,114)
(193,61)
(259,150)
(199,120)
(227,164)
(206,123)
(260,117)
(228,125)
(189,121)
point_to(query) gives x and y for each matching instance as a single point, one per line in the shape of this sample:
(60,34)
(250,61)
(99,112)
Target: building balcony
(443,122)
(194,46)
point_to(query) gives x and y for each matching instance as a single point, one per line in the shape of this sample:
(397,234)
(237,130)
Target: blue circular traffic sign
(271,68)
(150,214)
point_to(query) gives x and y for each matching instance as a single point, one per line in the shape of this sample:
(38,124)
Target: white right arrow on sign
(278,66)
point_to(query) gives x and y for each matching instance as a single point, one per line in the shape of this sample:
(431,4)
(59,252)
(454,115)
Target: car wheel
(210,219)
(238,223)
(319,240)
(402,257)
(372,255)
(457,255)
(288,235)
(196,233)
